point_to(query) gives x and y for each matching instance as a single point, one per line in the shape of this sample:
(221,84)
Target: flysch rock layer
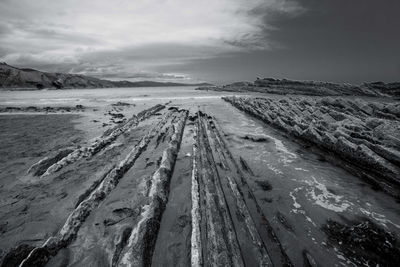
(315,88)
(39,256)
(53,164)
(196,258)
(228,228)
(140,247)
(365,134)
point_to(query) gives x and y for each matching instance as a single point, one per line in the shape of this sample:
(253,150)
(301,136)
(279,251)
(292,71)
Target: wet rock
(78,108)
(267,199)
(41,167)
(41,255)
(121,104)
(387,153)
(364,243)
(192,118)
(282,219)
(148,164)
(264,185)
(116,115)
(119,215)
(246,166)
(125,212)
(3,227)
(365,134)
(120,242)
(309,261)
(16,255)
(139,252)
(256,138)
(32,108)
(101,142)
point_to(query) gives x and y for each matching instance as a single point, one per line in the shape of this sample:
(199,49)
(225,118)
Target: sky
(218,41)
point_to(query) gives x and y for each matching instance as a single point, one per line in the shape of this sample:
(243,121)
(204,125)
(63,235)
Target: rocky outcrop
(365,243)
(39,256)
(140,246)
(98,144)
(365,134)
(229,227)
(33,109)
(384,88)
(286,87)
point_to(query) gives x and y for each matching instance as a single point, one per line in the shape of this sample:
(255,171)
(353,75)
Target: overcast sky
(207,40)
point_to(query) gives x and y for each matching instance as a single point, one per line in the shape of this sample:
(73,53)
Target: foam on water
(379,217)
(322,197)
(301,169)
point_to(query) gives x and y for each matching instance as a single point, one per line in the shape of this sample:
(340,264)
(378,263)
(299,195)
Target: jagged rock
(286,87)
(369,140)
(41,167)
(364,243)
(311,134)
(256,138)
(16,255)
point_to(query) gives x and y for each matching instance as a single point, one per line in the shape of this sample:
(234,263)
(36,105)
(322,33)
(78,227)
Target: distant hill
(12,78)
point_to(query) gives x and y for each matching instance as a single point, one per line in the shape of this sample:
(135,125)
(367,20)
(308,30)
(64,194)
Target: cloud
(135,35)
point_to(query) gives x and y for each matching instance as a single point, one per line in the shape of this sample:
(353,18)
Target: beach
(88,186)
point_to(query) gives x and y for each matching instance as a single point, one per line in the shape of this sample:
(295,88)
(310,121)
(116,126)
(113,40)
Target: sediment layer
(96,146)
(365,134)
(314,88)
(140,247)
(39,256)
(228,229)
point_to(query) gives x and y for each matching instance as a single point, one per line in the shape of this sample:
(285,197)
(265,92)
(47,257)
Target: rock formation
(366,134)
(286,87)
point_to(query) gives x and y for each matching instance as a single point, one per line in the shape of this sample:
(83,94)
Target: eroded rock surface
(313,88)
(365,134)
(364,243)
(178,190)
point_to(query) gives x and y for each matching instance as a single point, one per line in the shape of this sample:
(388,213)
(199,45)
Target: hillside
(12,78)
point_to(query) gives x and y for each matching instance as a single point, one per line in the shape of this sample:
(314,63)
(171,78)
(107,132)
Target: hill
(12,78)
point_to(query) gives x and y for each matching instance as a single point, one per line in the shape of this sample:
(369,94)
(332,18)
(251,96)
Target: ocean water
(95,97)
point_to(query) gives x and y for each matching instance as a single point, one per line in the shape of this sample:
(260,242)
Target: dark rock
(121,104)
(256,138)
(367,140)
(16,256)
(264,185)
(308,259)
(41,167)
(246,166)
(364,243)
(282,219)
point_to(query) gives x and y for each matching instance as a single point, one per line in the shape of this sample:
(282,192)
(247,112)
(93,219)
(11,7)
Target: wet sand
(127,196)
